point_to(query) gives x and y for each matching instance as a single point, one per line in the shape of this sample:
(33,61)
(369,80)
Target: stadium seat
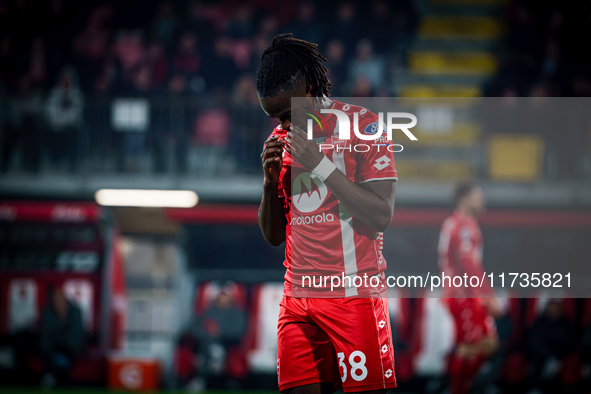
(23,304)
(81,292)
(463,63)
(513,157)
(422,169)
(437,337)
(460,27)
(262,355)
(206,292)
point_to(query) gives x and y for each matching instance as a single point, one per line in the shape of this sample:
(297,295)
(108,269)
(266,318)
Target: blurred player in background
(321,338)
(460,252)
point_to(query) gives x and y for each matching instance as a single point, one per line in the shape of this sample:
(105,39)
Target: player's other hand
(271,158)
(303,150)
(468,350)
(494,307)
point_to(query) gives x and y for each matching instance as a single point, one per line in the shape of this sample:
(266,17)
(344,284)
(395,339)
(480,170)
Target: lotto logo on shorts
(382,323)
(388,373)
(384,349)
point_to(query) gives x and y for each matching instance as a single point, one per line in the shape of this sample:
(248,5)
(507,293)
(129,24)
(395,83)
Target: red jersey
(322,237)
(460,252)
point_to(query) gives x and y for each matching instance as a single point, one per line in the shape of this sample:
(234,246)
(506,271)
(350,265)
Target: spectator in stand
(141,83)
(8,68)
(187,60)
(178,86)
(62,337)
(368,66)
(219,330)
(91,45)
(522,37)
(178,122)
(158,64)
(198,21)
(128,49)
(57,28)
(381,21)
(224,323)
(404,22)
(134,143)
(552,67)
(242,54)
(345,28)
(9,136)
(337,72)
(25,127)
(64,111)
(220,66)
(248,124)
(165,25)
(585,351)
(362,88)
(550,340)
(37,67)
(306,26)
(240,24)
(268,30)
(515,74)
(211,135)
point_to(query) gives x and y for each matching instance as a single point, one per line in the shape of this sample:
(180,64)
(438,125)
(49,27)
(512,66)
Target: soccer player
(337,203)
(472,309)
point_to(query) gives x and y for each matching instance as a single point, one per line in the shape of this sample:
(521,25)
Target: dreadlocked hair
(289,62)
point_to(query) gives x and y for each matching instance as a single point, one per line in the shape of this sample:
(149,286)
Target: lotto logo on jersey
(382,162)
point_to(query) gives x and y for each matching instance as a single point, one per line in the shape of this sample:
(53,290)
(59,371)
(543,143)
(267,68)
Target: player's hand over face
(303,150)
(271,158)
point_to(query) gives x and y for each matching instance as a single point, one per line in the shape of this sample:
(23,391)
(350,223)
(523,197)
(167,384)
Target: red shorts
(345,341)
(471,319)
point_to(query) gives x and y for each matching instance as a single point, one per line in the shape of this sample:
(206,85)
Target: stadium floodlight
(147,198)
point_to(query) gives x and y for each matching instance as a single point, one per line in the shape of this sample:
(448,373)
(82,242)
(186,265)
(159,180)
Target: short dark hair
(287,63)
(463,189)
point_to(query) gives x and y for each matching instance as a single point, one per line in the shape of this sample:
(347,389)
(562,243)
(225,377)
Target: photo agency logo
(377,134)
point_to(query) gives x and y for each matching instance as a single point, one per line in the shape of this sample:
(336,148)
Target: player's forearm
(363,204)
(271,216)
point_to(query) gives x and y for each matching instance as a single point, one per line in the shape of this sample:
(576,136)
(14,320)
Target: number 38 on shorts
(357,362)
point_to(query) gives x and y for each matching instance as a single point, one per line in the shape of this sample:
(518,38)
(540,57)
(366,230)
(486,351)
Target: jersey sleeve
(377,163)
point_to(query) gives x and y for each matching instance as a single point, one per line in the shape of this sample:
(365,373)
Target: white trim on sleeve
(380,179)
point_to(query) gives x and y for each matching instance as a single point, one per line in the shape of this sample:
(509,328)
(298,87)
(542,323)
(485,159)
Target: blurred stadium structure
(161,95)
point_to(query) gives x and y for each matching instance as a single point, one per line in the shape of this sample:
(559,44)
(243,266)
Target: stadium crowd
(59,66)
(541,55)
(192,64)
(191,47)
